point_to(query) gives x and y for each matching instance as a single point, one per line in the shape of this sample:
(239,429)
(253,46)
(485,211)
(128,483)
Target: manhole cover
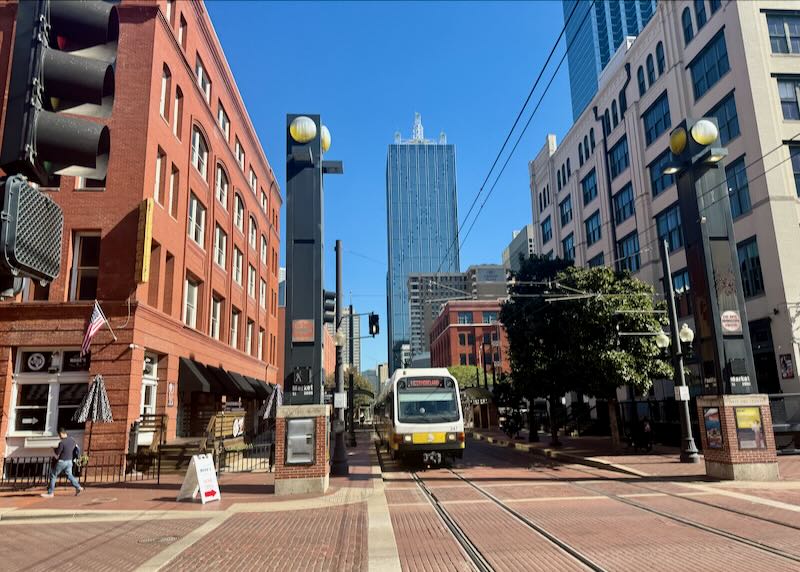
(159,540)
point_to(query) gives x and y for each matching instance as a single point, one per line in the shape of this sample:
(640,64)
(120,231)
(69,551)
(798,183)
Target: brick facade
(316,472)
(156,36)
(730,453)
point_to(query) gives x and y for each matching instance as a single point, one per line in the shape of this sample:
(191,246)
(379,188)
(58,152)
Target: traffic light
(30,231)
(373,325)
(62,63)
(328,307)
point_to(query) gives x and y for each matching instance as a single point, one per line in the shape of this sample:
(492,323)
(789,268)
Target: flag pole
(108,325)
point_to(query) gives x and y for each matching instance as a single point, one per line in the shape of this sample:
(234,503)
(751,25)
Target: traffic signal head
(31,228)
(328,307)
(374,328)
(62,63)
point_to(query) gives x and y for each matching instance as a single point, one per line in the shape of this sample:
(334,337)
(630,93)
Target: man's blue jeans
(62,467)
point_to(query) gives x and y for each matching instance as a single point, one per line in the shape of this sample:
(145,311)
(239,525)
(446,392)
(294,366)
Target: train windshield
(428,400)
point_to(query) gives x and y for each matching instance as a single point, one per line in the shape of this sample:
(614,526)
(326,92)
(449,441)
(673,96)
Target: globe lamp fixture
(662,340)
(325,138)
(686,334)
(303,129)
(704,132)
(677,141)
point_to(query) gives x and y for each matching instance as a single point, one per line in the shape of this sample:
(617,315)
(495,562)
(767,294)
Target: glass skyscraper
(422,224)
(593,40)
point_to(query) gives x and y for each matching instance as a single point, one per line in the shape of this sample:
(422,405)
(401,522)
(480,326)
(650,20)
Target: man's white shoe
(48,495)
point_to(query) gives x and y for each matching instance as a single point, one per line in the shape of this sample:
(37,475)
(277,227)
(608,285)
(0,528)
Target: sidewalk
(598,452)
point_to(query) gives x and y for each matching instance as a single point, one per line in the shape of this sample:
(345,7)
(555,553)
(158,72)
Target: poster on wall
(713,427)
(749,428)
(787,366)
(170,394)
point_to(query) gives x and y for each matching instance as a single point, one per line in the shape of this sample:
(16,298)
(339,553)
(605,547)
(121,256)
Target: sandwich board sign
(201,478)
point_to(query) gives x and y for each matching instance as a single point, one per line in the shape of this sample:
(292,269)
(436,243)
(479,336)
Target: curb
(557,455)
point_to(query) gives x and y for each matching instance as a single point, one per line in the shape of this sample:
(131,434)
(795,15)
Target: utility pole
(339,465)
(688,448)
(351,436)
(485,376)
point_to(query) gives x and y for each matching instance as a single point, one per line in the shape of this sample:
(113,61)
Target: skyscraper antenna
(417,133)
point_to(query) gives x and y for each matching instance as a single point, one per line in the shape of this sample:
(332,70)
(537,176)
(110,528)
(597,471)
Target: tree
(467,375)
(359,382)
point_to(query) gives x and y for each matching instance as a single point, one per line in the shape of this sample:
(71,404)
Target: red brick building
(199,330)
(467,332)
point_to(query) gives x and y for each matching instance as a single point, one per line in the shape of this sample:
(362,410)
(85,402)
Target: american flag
(95,323)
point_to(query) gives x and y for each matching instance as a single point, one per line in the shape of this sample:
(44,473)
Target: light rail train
(418,415)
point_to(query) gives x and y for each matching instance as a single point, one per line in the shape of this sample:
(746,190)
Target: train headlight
(407,438)
(451,437)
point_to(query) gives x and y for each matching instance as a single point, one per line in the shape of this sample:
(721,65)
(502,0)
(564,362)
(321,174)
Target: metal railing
(255,457)
(785,410)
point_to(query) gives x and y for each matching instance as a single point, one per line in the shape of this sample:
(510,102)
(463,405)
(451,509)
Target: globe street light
(686,334)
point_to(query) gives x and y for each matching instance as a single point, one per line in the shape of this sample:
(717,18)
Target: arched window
(640,80)
(222,186)
(558,179)
(700,13)
(623,104)
(177,113)
(688,30)
(563,175)
(569,170)
(199,152)
(591,138)
(614,115)
(166,89)
(253,237)
(580,153)
(263,249)
(238,213)
(607,122)
(661,62)
(651,70)
(586,145)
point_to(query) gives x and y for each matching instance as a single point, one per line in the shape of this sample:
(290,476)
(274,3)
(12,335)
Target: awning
(474,394)
(262,390)
(231,388)
(193,376)
(245,388)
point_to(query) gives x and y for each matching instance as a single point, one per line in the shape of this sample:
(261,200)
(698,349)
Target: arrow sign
(29,420)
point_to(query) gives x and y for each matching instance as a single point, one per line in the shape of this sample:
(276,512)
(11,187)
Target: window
(85,266)
(262,293)
(462,339)
(170,14)
(253,180)
(688,30)
(623,103)
(177,113)
(238,213)
(628,253)
(569,170)
(251,281)
(589,187)
(558,180)
(248,337)
(222,186)
(784,33)
(547,230)
(190,292)
(161,165)
(70,396)
(738,188)
(235,314)
(174,183)
(166,91)
(656,119)
(203,81)
(750,265)
(462,359)
(216,313)
(489,317)
(223,121)
(640,81)
(253,238)
(84,183)
(614,116)
(220,246)
(606,122)
(197,220)
(580,153)
(715,5)
(239,152)
(659,182)
(568,247)
(199,152)
(668,224)
(700,13)
(182,32)
(727,119)
(238,257)
(260,350)
(595,261)
(680,283)
(586,146)
(618,157)
(32,405)
(651,70)
(264,201)
(787,90)
(591,138)
(465,317)
(565,209)
(794,153)
(709,65)
(263,249)
(624,207)
(592,225)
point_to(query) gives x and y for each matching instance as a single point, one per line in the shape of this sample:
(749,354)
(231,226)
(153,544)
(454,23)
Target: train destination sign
(425,383)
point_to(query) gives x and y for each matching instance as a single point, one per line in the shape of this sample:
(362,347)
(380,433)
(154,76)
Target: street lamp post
(676,338)
(351,435)
(339,464)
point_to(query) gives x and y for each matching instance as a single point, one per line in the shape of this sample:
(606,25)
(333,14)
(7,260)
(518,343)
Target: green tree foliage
(468,375)
(359,382)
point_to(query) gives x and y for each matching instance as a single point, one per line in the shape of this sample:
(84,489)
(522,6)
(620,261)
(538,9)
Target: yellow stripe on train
(428,438)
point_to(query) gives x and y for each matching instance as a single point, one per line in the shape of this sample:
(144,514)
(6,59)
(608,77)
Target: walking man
(65,453)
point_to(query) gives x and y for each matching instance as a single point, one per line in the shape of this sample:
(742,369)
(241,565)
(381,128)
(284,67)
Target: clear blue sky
(366,68)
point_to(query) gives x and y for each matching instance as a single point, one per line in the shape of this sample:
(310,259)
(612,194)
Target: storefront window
(31,410)
(69,398)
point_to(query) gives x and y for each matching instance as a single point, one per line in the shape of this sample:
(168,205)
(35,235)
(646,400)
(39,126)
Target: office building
(422,224)
(486,281)
(427,293)
(200,329)
(521,247)
(594,38)
(601,197)
(345,329)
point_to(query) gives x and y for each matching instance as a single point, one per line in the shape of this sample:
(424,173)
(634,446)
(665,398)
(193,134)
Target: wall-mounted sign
(749,428)
(170,394)
(731,322)
(713,427)
(303,331)
(74,361)
(787,366)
